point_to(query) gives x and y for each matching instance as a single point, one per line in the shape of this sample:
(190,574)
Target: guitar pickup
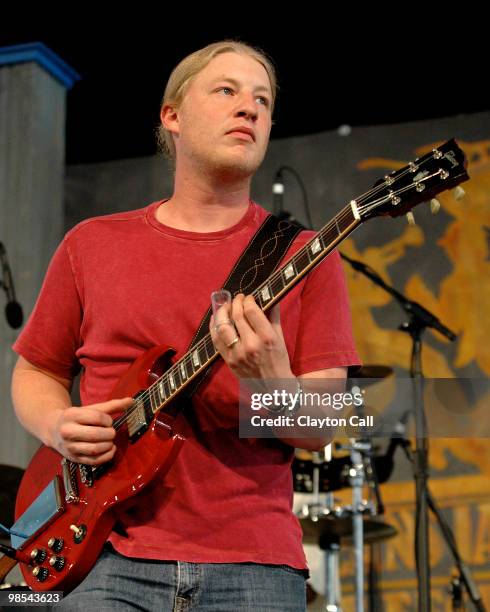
(139,417)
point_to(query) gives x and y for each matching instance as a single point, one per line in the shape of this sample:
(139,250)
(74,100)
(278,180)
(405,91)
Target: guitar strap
(253,267)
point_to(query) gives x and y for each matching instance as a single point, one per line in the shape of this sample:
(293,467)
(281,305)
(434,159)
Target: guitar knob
(56,544)
(435,205)
(41,573)
(38,555)
(459,193)
(57,562)
(410,218)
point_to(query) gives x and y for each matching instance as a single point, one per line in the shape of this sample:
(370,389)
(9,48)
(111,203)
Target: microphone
(13,310)
(278,193)
(278,206)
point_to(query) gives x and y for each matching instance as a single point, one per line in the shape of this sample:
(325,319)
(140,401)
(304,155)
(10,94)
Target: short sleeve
(51,336)
(325,338)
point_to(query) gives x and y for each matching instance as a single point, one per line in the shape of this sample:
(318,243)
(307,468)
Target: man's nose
(247,107)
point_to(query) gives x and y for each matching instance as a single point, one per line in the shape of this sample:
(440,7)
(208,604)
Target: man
(217,533)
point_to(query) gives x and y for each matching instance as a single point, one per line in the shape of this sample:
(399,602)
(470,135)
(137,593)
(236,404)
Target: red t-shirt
(120,284)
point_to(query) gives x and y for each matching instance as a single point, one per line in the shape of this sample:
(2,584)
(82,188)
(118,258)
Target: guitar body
(134,465)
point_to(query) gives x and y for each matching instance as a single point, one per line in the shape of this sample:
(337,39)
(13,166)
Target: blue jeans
(121,583)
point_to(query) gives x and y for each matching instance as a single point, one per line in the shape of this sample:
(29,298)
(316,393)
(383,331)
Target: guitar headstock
(398,192)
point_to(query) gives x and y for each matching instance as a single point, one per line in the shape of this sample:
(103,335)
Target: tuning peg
(459,193)
(435,205)
(410,218)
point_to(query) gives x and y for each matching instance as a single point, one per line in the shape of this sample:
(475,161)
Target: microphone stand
(464,578)
(419,319)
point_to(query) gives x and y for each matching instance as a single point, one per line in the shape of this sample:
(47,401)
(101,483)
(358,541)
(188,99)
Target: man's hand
(85,434)
(252,345)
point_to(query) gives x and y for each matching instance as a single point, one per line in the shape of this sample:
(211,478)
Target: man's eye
(263,100)
(226,90)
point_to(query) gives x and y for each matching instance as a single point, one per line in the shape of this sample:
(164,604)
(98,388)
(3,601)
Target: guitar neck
(271,291)
(393,195)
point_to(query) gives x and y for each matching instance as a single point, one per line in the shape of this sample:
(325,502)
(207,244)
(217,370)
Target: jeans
(121,583)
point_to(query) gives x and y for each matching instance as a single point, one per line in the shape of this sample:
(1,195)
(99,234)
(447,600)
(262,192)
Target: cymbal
(331,529)
(370,371)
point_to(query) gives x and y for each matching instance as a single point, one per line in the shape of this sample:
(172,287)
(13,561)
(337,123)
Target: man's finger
(115,405)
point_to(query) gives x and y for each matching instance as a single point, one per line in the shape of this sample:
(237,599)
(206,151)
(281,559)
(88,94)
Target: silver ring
(233,342)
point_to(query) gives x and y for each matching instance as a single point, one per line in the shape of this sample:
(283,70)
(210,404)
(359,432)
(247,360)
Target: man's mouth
(243,133)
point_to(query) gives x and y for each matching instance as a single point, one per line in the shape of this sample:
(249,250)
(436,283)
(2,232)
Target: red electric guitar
(65,511)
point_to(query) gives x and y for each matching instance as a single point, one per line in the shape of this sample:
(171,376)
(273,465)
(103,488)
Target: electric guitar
(65,511)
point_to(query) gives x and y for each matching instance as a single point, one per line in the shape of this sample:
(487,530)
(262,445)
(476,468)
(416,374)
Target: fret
(156,398)
(307,249)
(316,246)
(289,271)
(153,403)
(171,381)
(196,362)
(166,387)
(265,294)
(161,391)
(302,259)
(203,356)
(177,375)
(183,371)
(339,233)
(277,283)
(209,347)
(330,235)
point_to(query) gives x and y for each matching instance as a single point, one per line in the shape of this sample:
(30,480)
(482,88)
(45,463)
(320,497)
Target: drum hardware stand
(357,479)
(331,547)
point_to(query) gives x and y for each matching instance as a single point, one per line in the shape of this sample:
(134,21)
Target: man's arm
(338,377)
(43,405)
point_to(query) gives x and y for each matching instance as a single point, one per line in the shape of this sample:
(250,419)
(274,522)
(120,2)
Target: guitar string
(185,361)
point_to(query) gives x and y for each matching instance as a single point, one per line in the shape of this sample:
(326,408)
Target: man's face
(224,121)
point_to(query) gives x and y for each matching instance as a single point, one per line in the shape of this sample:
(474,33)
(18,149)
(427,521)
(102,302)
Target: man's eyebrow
(236,84)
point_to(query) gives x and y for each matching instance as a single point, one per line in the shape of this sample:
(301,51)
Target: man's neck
(204,205)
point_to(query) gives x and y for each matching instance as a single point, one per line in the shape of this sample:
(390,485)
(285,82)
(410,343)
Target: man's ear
(170,118)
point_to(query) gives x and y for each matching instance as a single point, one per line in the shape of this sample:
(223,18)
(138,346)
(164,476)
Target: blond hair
(182,75)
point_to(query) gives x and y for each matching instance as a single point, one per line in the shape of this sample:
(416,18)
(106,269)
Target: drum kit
(328,526)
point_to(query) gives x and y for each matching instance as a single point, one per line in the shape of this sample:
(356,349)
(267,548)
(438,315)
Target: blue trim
(49,60)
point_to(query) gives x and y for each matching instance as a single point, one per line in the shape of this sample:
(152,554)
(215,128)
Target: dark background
(336,68)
